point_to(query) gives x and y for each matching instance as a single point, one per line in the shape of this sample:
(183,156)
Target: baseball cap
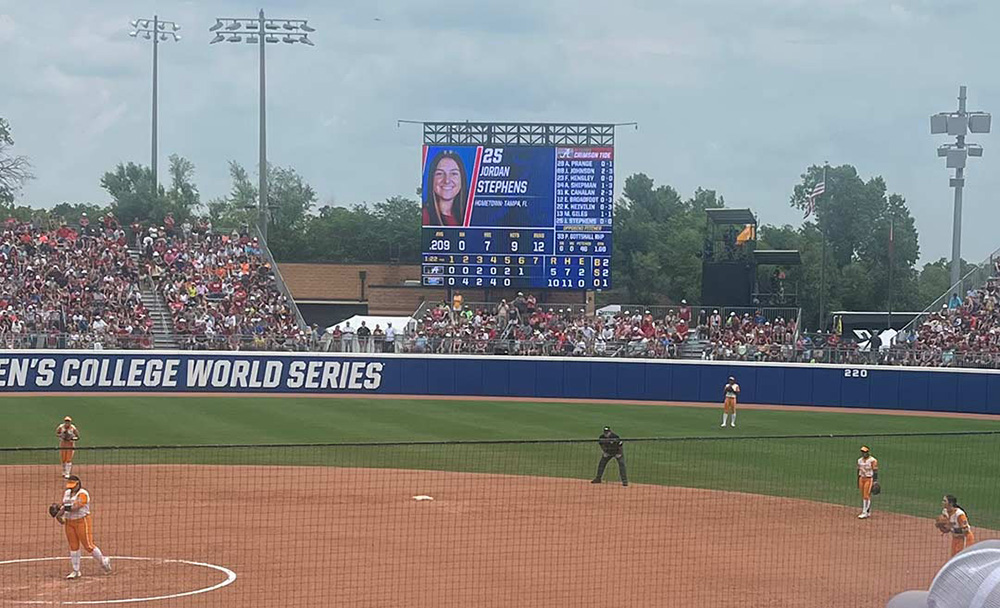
(970,579)
(67,419)
(864,448)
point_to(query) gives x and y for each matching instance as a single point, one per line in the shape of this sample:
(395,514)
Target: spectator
(390,339)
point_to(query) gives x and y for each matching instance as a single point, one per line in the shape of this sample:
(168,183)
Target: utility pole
(155,30)
(261,31)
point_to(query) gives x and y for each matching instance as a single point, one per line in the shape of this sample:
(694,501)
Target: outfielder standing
(74,513)
(867,481)
(957,524)
(731,391)
(68,436)
(612,447)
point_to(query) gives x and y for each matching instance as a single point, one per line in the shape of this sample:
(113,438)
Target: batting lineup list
(573,252)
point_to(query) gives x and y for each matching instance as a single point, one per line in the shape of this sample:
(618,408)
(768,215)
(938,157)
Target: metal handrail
(279,280)
(842,353)
(963,285)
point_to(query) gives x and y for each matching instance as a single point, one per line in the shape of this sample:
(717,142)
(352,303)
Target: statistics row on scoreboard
(545,241)
(589,272)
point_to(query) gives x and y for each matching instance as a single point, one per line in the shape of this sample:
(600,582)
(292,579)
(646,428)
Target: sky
(739,96)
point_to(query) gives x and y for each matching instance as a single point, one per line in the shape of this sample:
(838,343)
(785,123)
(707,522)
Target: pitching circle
(230,578)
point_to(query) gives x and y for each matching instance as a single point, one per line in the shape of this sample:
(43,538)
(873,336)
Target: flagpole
(822,266)
(892,256)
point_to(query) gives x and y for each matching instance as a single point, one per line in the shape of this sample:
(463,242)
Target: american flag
(817,191)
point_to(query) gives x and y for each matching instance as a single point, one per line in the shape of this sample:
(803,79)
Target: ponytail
(953,501)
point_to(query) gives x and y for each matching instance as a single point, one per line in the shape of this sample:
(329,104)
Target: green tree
(239,209)
(935,280)
(130,186)
(658,241)
(290,200)
(15,170)
(853,218)
(182,199)
(387,231)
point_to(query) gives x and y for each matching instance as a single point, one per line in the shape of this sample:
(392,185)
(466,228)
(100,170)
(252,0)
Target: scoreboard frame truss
(598,135)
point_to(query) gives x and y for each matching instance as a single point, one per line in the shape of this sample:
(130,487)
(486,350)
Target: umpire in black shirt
(611,446)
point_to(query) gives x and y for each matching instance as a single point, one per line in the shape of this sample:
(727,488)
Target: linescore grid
(517,217)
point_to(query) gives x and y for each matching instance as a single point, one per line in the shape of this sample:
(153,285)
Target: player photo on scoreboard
(490,186)
(446,191)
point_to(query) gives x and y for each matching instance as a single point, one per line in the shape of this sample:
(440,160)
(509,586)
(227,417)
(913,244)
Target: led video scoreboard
(531,217)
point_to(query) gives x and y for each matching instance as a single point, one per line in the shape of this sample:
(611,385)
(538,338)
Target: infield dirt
(323,536)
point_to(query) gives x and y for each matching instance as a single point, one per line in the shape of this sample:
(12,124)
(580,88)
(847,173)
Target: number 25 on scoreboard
(492,156)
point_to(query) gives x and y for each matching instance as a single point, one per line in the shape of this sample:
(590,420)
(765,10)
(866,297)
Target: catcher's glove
(941,523)
(876,489)
(56,511)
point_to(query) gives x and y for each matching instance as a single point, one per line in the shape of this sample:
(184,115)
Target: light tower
(959,124)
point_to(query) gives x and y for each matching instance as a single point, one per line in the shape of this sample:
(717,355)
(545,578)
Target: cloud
(733,95)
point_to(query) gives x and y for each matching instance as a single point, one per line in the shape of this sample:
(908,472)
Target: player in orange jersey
(68,436)
(731,391)
(867,479)
(75,513)
(961,531)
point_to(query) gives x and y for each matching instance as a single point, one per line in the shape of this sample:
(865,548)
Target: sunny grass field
(916,470)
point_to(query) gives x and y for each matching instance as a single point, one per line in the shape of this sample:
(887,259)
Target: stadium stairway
(692,348)
(163,327)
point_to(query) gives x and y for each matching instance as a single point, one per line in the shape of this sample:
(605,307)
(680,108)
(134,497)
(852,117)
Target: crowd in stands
(220,288)
(70,287)
(522,326)
(965,332)
(76,286)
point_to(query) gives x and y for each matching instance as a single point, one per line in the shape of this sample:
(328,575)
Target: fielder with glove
(68,436)
(56,511)
(953,519)
(867,481)
(611,447)
(74,512)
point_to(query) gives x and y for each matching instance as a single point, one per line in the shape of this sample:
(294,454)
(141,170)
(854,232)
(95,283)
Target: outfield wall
(975,391)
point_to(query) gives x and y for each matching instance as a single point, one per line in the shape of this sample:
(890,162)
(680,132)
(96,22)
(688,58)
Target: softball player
(68,436)
(75,514)
(867,479)
(961,531)
(731,391)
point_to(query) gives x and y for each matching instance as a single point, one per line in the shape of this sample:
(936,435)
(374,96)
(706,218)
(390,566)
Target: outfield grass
(31,421)
(916,470)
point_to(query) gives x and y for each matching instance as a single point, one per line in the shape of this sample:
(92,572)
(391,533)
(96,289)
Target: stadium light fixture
(158,31)
(958,124)
(262,31)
